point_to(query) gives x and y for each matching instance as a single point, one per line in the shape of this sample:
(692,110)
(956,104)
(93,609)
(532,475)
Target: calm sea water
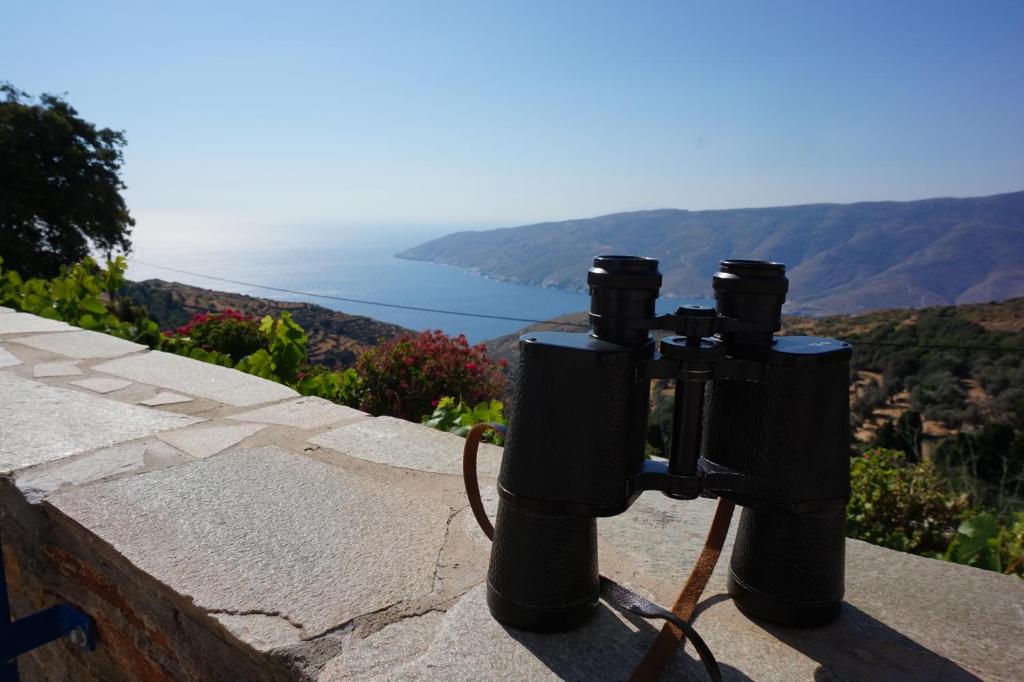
(363,266)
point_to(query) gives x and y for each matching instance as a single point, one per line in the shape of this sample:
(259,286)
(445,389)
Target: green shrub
(905,434)
(76,296)
(339,387)
(984,542)
(284,354)
(457,417)
(901,505)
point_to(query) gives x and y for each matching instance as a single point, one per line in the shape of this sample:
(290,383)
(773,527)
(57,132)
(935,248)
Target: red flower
(471,366)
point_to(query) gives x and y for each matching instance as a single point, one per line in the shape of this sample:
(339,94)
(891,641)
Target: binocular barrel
(772,413)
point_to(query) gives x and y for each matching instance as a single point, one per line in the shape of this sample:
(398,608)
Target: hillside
(841,258)
(335,338)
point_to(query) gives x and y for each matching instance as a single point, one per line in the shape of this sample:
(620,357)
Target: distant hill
(990,324)
(335,338)
(841,258)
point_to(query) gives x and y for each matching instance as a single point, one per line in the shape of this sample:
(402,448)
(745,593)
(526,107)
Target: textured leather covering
(543,561)
(577,421)
(795,558)
(790,434)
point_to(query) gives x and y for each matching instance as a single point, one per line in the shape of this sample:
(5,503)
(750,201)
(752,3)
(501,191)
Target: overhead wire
(487,316)
(346,299)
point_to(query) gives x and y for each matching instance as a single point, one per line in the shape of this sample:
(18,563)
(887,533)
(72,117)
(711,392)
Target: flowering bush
(229,332)
(407,376)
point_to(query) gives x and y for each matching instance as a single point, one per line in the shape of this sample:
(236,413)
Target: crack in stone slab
(438,580)
(256,612)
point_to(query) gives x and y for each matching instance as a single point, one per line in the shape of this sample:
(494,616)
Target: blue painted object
(35,630)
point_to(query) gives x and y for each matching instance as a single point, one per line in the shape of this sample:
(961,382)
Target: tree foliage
(60,185)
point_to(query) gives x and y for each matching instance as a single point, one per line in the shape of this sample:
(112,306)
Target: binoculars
(760,420)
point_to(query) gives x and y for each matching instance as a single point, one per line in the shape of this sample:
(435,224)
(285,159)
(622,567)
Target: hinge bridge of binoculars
(655,475)
(681,359)
(709,480)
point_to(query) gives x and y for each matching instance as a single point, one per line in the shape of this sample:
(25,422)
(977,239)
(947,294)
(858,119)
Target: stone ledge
(237,531)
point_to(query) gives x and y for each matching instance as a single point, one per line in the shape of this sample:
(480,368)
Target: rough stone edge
(151,631)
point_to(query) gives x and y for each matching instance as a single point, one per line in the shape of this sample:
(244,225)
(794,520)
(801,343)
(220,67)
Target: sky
(261,115)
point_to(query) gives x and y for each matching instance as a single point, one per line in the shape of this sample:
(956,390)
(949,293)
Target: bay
(362,265)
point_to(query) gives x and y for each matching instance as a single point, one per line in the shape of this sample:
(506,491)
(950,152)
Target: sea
(362,265)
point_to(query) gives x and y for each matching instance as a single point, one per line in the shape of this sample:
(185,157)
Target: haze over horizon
(246,117)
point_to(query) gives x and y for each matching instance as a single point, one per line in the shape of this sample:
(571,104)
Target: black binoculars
(758,419)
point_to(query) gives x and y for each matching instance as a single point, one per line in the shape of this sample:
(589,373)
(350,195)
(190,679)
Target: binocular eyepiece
(758,419)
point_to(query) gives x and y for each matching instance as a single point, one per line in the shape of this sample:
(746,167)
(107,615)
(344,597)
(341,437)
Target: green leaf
(93,305)
(89,322)
(974,542)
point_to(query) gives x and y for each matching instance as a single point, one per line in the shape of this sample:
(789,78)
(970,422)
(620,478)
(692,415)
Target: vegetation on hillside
(335,339)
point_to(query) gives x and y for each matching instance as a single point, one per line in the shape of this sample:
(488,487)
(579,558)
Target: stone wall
(217,526)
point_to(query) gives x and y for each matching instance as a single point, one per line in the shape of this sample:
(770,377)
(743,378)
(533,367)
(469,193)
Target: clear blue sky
(487,113)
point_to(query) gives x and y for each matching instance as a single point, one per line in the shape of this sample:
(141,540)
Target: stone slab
(266,531)
(262,631)
(102,384)
(864,643)
(395,442)
(661,539)
(6,310)
(468,644)
(106,463)
(82,344)
(23,323)
(302,413)
(55,369)
(165,398)
(7,358)
(206,440)
(202,379)
(43,423)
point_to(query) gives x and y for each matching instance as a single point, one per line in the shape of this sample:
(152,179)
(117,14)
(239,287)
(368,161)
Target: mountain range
(841,258)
